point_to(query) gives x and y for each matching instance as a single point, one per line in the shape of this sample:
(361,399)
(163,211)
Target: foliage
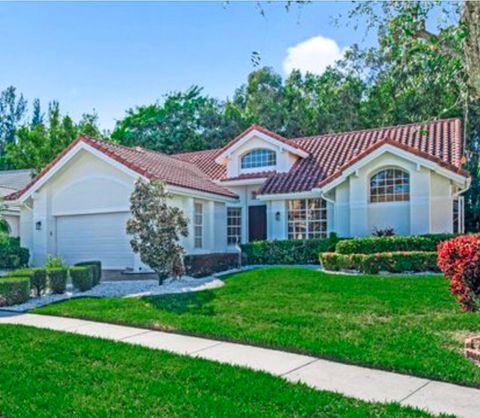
(14,290)
(201,265)
(38,278)
(57,279)
(181,122)
(387,232)
(138,381)
(96,269)
(287,251)
(393,262)
(371,245)
(11,254)
(82,277)
(39,143)
(459,259)
(156,228)
(13,109)
(54,262)
(406,324)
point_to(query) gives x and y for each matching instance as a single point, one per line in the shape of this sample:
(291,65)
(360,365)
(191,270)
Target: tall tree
(37,115)
(37,145)
(13,108)
(181,122)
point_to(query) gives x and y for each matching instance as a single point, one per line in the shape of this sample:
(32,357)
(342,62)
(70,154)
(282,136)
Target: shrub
(387,232)
(57,279)
(96,269)
(206,264)
(372,245)
(394,262)
(38,278)
(82,277)
(287,251)
(459,260)
(14,290)
(12,257)
(54,262)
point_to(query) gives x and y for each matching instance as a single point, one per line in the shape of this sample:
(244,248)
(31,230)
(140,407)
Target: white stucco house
(259,186)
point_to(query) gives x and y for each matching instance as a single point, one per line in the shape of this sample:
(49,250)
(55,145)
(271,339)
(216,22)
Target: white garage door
(95,237)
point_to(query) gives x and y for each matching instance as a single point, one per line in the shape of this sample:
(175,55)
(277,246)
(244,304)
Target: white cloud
(313,55)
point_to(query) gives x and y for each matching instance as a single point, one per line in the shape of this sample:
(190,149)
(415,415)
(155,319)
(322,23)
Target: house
(10,182)
(259,186)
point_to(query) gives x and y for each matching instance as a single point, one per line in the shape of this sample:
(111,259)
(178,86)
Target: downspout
(324,197)
(456,195)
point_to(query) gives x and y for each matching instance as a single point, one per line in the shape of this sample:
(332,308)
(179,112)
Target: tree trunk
(471,20)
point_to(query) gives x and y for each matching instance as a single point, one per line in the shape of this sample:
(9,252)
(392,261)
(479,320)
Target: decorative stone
(472,349)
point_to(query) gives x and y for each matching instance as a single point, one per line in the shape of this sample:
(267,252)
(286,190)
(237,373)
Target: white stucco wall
(13,222)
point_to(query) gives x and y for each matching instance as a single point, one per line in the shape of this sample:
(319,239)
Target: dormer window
(259,158)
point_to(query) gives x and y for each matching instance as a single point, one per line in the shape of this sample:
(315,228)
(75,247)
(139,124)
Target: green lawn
(406,324)
(52,374)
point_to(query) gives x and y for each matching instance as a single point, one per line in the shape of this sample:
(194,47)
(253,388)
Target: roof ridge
(381,128)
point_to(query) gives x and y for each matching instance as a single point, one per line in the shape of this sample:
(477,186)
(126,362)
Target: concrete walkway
(358,382)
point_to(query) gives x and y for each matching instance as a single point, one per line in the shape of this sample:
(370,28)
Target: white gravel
(125,289)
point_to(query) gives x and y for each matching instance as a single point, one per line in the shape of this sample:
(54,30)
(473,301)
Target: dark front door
(257,223)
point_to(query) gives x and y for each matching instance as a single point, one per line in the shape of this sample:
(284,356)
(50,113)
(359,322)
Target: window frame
(198,224)
(294,223)
(271,160)
(237,226)
(389,197)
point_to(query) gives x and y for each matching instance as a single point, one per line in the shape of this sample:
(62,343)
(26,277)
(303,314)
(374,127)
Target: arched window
(259,158)
(390,185)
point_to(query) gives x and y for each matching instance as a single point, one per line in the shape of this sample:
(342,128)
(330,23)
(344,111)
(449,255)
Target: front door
(257,223)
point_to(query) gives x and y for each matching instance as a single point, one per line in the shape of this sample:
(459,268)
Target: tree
(186,121)
(156,228)
(37,115)
(38,144)
(13,109)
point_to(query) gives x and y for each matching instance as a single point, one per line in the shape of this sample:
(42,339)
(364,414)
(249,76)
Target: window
(259,158)
(307,218)
(391,185)
(198,225)
(458,215)
(234,225)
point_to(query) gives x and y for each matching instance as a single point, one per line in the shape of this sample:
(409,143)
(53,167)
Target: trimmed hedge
(82,277)
(287,251)
(394,262)
(202,265)
(372,245)
(14,290)
(96,269)
(38,278)
(57,279)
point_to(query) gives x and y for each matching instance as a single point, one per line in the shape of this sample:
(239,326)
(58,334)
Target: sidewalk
(358,382)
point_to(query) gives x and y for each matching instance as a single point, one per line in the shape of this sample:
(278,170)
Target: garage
(99,236)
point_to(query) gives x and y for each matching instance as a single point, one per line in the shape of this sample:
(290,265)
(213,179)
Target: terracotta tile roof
(246,176)
(440,141)
(152,165)
(205,161)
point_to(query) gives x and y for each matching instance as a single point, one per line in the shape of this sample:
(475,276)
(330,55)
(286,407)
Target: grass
(52,374)
(407,324)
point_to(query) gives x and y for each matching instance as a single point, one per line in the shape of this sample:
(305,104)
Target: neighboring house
(259,186)
(10,182)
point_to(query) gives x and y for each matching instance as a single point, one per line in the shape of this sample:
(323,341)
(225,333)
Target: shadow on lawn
(192,302)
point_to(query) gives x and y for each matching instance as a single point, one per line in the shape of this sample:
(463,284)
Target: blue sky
(113,56)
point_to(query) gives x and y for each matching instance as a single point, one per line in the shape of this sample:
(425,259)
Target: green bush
(287,251)
(14,290)
(394,262)
(11,257)
(96,269)
(201,265)
(38,278)
(372,245)
(82,277)
(54,262)
(57,279)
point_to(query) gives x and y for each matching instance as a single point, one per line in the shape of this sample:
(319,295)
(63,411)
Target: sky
(112,56)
